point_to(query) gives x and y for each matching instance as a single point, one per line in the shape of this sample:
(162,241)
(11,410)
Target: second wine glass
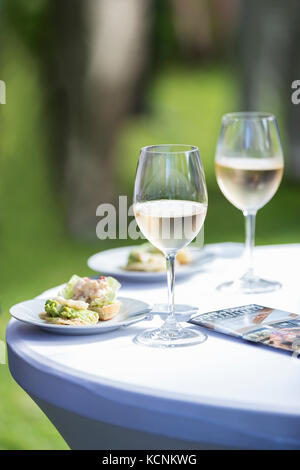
(170,204)
(249,168)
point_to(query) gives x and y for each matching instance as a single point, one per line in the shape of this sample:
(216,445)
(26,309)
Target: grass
(36,252)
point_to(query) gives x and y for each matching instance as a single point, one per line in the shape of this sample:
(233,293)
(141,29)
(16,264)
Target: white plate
(110,262)
(131,311)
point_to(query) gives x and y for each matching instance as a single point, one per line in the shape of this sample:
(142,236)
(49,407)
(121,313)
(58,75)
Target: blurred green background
(186,89)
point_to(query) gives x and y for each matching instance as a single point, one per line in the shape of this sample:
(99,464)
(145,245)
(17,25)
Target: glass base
(162,338)
(183,312)
(181,309)
(246,285)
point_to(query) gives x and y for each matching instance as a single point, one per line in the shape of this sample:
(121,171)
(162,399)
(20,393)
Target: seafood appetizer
(146,257)
(84,301)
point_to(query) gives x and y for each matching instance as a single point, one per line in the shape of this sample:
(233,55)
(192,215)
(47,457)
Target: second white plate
(110,262)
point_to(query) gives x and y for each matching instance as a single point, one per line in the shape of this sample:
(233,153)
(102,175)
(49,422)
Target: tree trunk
(269,58)
(203,27)
(100,52)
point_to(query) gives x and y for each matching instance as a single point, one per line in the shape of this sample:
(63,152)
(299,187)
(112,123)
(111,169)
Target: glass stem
(170,323)
(249,243)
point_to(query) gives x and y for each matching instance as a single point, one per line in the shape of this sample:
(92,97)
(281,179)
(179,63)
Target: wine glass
(249,168)
(170,204)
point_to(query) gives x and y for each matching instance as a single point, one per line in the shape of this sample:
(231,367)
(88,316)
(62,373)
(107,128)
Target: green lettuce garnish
(113,284)
(68,290)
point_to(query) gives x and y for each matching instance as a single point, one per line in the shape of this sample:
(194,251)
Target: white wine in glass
(170,204)
(249,168)
(170,224)
(249,183)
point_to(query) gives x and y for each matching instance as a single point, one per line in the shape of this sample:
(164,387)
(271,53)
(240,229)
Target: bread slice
(184,256)
(108,311)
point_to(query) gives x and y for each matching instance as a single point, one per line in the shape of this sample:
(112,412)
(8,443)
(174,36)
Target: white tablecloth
(224,392)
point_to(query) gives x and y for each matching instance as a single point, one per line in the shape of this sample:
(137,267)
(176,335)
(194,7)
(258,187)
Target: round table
(106,392)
